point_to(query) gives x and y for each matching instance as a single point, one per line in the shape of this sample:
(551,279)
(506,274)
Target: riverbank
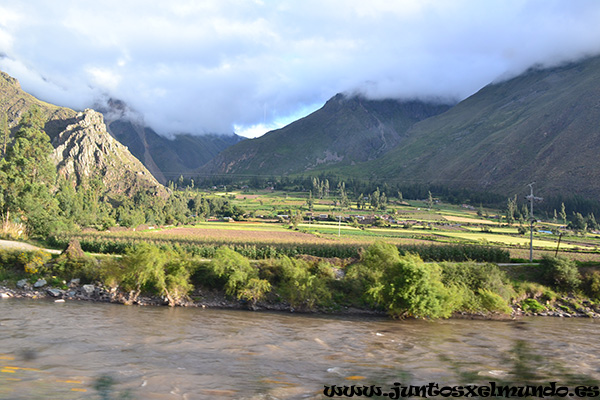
(214,299)
(201,298)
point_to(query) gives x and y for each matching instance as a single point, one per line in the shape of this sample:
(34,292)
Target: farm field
(268,222)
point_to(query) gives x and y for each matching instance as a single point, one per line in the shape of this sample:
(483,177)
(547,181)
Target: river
(64,350)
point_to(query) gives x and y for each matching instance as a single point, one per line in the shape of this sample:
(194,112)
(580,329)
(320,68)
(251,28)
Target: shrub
(478,276)
(560,272)
(255,290)
(298,286)
(9,259)
(493,302)
(368,272)
(177,277)
(532,305)
(146,267)
(409,287)
(34,261)
(84,268)
(234,268)
(592,285)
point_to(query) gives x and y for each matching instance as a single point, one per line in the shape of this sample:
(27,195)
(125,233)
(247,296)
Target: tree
(28,176)
(578,224)
(360,201)
(310,202)
(511,208)
(430,201)
(383,201)
(375,199)
(5,132)
(296,218)
(591,221)
(343,196)
(480,210)
(563,213)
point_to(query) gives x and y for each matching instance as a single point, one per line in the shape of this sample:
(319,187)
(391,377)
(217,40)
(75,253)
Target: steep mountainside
(167,159)
(345,131)
(83,147)
(14,102)
(541,126)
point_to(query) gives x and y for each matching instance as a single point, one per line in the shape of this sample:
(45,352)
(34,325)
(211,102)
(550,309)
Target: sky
(250,66)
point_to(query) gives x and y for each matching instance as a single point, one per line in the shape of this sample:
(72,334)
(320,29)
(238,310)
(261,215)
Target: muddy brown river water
(83,350)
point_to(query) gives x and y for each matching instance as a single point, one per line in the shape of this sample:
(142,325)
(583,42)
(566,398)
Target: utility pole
(531,198)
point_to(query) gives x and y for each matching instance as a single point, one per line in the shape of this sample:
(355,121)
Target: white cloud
(216,66)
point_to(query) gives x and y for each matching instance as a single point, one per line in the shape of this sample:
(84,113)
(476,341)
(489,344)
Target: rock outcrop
(85,150)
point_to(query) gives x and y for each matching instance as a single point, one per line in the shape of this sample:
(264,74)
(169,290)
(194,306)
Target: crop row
(265,250)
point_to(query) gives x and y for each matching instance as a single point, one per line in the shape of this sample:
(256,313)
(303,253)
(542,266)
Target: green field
(267,221)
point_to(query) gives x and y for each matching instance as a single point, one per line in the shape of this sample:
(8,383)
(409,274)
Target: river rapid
(85,350)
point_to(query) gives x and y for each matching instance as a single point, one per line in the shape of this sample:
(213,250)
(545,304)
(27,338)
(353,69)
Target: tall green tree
(563,213)
(4,132)
(511,208)
(28,176)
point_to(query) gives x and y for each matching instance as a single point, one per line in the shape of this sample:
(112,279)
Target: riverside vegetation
(380,279)
(404,257)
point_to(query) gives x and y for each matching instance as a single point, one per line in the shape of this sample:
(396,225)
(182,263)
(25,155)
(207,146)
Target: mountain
(14,102)
(83,149)
(166,158)
(541,126)
(345,131)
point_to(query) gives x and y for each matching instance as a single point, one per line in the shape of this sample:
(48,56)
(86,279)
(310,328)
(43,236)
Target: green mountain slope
(541,126)
(345,131)
(14,102)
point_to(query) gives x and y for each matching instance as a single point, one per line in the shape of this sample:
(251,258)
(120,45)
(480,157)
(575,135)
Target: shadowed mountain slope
(542,126)
(345,131)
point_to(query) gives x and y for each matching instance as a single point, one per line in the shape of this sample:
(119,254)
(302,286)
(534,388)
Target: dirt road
(13,245)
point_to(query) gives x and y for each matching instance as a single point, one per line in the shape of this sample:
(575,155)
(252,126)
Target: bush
(478,276)
(298,286)
(148,268)
(368,272)
(493,302)
(84,268)
(406,286)
(234,268)
(255,290)
(532,305)
(592,285)
(560,272)
(34,261)
(9,259)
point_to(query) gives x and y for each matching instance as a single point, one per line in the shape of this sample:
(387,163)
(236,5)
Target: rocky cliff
(85,149)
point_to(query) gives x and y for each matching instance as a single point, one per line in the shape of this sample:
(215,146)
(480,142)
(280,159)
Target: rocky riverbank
(199,298)
(76,291)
